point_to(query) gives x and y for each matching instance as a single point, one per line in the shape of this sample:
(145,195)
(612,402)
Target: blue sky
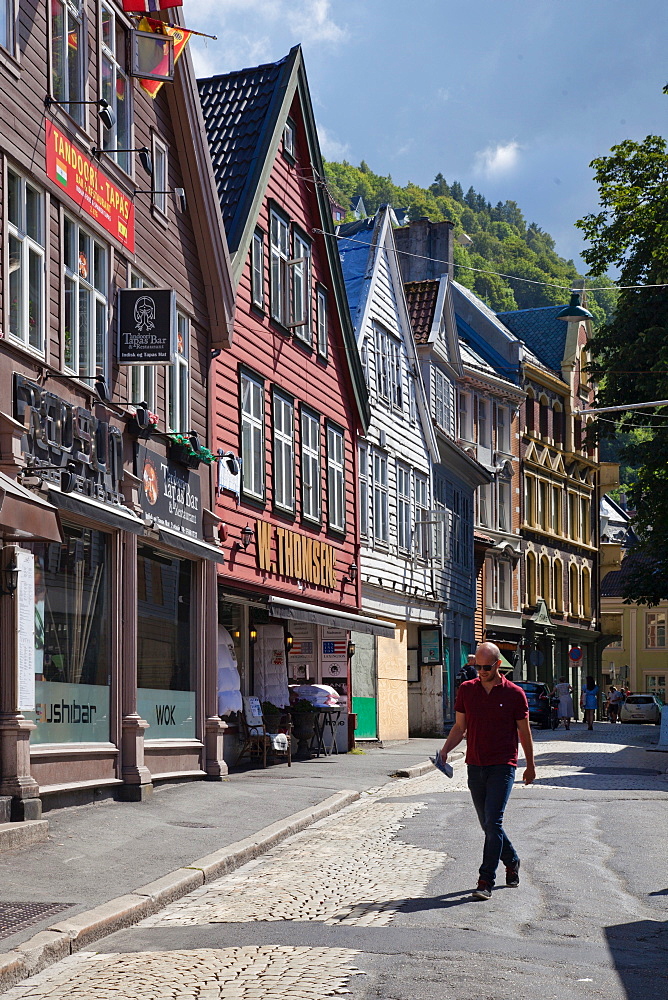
(515,97)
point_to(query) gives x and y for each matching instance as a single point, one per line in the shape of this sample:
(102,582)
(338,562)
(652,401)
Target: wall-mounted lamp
(352,573)
(144,156)
(288,642)
(236,635)
(246,537)
(252,635)
(104,109)
(99,385)
(68,476)
(351,649)
(10,576)
(193,437)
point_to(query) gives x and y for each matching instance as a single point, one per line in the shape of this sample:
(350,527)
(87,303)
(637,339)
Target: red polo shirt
(491,721)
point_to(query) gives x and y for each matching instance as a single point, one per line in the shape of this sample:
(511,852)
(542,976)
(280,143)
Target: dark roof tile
(540,330)
(421,297)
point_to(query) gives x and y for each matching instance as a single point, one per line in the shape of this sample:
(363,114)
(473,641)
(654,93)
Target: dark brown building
(115,290)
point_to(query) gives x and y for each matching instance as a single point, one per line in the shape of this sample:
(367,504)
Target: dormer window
(289,139)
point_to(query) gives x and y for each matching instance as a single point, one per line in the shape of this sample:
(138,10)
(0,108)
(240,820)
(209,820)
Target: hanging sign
(81,179)
(146,326)
(171,494)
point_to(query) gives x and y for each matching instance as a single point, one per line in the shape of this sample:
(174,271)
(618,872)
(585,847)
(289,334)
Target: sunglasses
(485,666)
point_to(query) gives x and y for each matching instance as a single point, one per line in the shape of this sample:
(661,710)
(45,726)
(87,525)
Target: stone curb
(73,933)
(31,831)
(417,770)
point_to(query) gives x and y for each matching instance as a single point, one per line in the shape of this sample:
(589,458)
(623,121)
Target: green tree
(630,351)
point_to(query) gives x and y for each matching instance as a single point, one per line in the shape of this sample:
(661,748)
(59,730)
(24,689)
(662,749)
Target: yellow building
(638,655)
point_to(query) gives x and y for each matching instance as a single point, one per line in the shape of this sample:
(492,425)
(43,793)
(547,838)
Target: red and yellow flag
(181,38)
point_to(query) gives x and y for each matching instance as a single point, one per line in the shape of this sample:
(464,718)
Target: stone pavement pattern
(383,889)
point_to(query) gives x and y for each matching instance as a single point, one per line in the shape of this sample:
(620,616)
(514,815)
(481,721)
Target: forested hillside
(503,241)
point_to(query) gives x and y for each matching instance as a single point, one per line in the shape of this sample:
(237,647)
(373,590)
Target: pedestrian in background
(589,701)
(564,692)
(493,714)
(614,704)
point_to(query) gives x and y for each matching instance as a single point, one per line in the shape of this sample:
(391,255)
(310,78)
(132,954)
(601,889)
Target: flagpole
(177,27)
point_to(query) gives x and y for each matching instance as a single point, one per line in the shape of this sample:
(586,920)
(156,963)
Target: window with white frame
(382,350)
(252,436)
(412,400)
(115,88)
(289,138)
(67,56)
(396,380)
(310,465)
(503,430)
(284,452)
(655,629)
(503,585)
(504,506)
(336,484)
(141,378)
(441,400)
(363,472)
(381,512)
(323,323)
(301,289)
(280,254)
(485,505)
(422,519)
(404,507)
(178,379)
(86,284)
(160,182)
(26,260)
(364,355)
(257,269)
(7,24)
(465,422)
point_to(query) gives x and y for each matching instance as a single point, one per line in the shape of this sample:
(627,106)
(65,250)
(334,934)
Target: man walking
(492,713)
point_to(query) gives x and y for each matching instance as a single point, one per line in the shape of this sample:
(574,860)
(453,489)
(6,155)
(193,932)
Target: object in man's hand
(442,765)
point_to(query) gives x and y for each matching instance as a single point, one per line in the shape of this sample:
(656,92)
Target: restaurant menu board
(80,178)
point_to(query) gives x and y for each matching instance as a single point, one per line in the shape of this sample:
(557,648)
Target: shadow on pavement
(640,953)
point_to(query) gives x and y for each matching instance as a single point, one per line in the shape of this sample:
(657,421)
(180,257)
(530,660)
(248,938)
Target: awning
(505,665)
(25,516)
(202,550)
(114,517)
(279,607)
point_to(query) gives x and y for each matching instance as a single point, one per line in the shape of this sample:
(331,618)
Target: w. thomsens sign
(297,556)
(83,181)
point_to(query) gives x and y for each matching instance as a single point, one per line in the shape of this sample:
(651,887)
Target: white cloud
(311,22)
(330,146)
(497,160)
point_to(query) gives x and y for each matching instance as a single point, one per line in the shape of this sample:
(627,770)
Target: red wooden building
(289,396)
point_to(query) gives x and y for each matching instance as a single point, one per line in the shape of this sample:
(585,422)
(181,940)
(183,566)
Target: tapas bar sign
(147,325)
(297,556)
(81,179)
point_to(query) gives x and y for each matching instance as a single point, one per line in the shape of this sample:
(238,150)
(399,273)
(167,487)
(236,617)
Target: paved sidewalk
(98,852)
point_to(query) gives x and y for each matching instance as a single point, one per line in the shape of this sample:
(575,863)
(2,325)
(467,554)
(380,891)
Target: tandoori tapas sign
(81,179)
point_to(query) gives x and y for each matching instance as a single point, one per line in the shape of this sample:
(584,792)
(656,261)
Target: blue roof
(540,330)
(354,253)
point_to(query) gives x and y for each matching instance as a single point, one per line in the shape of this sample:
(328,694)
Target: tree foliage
(630,351)
(503,241)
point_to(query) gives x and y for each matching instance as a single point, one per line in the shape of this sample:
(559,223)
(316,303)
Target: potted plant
(142,422)
(182,451)
(303,724)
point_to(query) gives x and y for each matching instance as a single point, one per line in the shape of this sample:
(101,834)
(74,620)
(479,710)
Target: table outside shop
(324,735)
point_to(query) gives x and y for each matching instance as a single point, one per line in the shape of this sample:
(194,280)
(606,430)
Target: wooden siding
(167,254)
(276,355)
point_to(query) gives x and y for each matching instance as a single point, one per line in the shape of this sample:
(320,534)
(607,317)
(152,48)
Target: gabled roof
(540,330)
(245,113)
(204,209)
(614,583)
(361,246)
(421,297)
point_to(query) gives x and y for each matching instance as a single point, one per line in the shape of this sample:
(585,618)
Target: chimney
(431,245)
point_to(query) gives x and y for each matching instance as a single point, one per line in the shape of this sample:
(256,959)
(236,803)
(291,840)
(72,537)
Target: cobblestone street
(373,902)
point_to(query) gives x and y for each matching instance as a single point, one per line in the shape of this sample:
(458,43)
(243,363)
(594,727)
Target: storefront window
(165,662)
(72,639)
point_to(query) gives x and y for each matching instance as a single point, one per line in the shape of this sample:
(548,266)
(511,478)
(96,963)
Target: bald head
(488,653)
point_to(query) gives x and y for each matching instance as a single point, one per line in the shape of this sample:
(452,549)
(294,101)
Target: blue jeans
(490,788)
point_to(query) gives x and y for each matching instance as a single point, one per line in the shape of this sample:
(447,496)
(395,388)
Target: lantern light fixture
(246,537)
(143,151)
(352,573)
(351,649)
(289,641)
(10,577)
(252,635)
(574,312)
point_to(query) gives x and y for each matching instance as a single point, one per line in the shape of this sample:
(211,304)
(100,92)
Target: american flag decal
(302,647)
(336,647)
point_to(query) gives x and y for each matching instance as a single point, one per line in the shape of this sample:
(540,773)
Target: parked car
(538,696)
(641,708)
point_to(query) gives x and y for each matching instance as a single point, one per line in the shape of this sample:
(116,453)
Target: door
(364,686)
